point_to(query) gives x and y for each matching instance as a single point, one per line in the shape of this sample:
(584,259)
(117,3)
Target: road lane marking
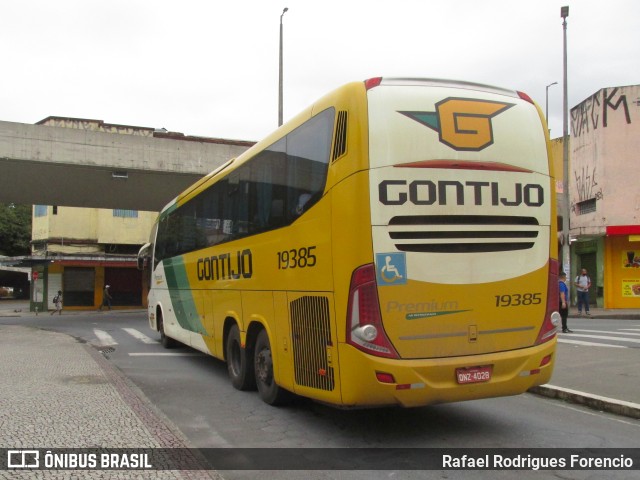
(140,336)
(608,416)
(104,338)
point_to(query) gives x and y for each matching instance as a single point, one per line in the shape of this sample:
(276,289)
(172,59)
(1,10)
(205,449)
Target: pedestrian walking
(106,298)
(57,301)
(564,302)
(583,283)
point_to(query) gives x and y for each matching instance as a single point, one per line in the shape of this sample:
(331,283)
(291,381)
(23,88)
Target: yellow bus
(393,244)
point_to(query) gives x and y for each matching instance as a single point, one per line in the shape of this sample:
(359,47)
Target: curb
(596,402)
(163,429)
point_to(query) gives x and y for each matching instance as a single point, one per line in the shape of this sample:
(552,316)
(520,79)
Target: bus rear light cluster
(552,317)
(525,97)
(372,82)
(364,321)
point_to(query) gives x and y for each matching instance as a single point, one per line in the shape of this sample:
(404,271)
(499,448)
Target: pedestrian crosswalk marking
(166,354)
(606,337)
(104,338)
(139,336)
(589,344)
(610,332)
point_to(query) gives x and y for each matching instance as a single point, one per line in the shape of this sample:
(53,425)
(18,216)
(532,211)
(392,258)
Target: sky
(210,67)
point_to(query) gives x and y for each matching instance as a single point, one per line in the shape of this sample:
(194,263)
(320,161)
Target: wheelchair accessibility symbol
(391,268)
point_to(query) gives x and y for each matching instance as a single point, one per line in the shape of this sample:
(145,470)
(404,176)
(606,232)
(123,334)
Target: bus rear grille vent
(340,145)
(311,333)
(463,233)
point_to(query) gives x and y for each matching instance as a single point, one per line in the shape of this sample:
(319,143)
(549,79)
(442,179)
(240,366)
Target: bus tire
(268,389)
(239,363)
(167,342)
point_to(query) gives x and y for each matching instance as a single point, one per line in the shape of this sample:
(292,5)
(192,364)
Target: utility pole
(280,72)
(566,255)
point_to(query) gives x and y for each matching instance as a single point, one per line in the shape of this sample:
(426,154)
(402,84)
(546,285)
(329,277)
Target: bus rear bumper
(373,381)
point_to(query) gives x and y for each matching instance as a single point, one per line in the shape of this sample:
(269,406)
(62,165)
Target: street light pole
(546,109)
(566,258)
(280,72)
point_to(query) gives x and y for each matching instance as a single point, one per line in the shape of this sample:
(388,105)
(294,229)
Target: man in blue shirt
(564,302)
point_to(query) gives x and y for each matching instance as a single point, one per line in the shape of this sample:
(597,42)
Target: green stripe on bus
(182,301)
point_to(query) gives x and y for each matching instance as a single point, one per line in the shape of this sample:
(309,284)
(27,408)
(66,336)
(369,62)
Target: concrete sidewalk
(56,392)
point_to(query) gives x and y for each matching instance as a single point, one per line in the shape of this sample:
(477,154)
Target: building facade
(604,194)
(80,251)
(85,249)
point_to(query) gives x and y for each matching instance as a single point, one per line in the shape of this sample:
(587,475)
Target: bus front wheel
(167,342)
(239,363)
(268,389)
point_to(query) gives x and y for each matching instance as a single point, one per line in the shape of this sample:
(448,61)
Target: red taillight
(384,377)
(364,321)
(526,97)
(551,316)
(545,361)
(372,82)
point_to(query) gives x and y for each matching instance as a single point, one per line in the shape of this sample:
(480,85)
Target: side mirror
(144,256)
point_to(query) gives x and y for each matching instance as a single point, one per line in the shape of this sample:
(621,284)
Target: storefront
(622,267)
(82,284)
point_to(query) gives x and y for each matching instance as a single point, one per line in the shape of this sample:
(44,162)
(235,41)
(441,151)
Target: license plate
(473,374)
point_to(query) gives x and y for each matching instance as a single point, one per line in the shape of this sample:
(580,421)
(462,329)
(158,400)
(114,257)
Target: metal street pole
(546,108)
(566,255)
(280,72)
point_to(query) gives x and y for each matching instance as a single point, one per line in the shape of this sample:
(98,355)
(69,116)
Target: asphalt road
(194,393)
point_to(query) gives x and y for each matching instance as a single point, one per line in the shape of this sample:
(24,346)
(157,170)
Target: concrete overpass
(52,165)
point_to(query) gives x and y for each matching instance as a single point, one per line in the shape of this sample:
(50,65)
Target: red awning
(623,230)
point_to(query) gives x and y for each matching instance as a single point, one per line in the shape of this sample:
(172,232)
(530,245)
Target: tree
(15,229)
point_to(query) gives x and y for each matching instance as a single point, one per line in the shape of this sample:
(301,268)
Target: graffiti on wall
(597,110)
(586,184)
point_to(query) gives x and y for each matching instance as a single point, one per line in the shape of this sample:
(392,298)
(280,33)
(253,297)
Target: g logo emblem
(462,123)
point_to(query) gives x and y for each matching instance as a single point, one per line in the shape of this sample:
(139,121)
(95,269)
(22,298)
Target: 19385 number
(518,299)
(297,258)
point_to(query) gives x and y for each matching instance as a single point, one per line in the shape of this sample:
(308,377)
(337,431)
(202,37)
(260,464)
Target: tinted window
(270,191)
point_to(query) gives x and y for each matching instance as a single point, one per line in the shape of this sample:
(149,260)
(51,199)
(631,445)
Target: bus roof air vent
(340,143)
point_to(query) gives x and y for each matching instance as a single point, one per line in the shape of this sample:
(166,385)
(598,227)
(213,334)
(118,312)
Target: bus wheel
(167,342)
(268,389)
(239,365)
